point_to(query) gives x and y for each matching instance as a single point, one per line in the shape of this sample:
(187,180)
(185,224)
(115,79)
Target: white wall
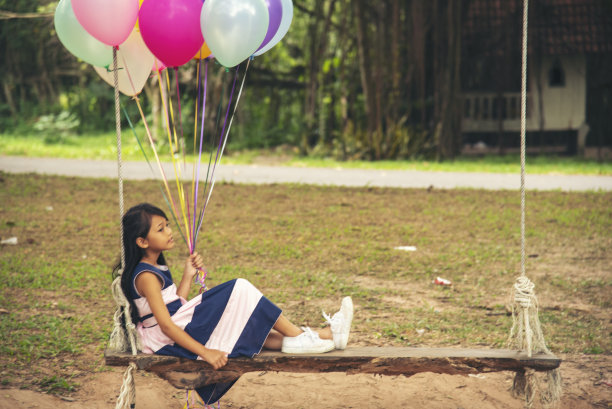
(564,107)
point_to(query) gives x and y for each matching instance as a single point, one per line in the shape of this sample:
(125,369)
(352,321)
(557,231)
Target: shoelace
(310,333)
(332,321)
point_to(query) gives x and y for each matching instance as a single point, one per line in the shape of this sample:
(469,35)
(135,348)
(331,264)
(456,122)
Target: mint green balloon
(234,29)
(77,40)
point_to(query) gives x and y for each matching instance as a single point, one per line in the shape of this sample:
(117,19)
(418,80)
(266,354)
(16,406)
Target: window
(556,75)
(514,108)
(485,108)
(466,108)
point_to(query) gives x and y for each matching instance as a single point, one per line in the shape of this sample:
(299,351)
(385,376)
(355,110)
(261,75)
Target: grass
(103,146)
(305,247)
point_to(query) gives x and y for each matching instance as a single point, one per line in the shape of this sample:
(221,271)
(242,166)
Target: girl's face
(159,237)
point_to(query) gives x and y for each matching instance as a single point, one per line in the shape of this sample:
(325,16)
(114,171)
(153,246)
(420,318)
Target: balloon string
(172,211)
(180,144)
(171,203)
(197,184)
(161,168)
(226,134)
(180,116)
(168,116)
(174,147)
(195,133)
(219,146)
(210,156)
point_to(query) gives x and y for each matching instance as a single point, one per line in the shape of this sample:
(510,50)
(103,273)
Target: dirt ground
(587,383)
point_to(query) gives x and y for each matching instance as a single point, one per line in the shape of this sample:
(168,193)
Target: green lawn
(305,247)
(103,146)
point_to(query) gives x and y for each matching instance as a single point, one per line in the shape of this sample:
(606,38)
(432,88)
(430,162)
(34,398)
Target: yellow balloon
(203,53)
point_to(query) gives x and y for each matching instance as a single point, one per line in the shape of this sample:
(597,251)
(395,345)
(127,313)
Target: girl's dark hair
(136,223)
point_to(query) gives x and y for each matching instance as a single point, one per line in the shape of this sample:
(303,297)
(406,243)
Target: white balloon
(234,29)
(282,29)
(134,61)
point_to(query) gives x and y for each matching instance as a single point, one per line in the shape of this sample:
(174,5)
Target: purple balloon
(275,10)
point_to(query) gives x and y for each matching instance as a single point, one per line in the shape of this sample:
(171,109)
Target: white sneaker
(308,342)
(340,323)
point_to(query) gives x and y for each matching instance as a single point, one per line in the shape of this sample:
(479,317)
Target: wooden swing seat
(189,374)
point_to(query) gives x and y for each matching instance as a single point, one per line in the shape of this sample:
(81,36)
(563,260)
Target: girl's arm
(192,263)
(149,285)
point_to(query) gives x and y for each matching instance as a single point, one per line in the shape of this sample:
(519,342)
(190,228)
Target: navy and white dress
(233,317)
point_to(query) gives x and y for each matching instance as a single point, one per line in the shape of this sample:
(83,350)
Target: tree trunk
(8,95)
(447,66)
(418,44)
(318,35)
(366,74)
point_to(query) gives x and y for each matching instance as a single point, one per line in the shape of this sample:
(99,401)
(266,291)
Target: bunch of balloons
(154,34)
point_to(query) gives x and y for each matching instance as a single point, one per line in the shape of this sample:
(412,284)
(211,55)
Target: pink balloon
(171,29)
(110,21)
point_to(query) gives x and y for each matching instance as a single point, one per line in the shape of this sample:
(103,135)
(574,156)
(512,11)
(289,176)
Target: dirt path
(264,173)
(586,381)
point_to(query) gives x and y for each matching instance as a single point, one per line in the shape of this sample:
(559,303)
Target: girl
(232,319)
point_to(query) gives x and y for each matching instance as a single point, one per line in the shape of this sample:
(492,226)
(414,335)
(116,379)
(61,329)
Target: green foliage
(399,142)
(324,89)
(55,128)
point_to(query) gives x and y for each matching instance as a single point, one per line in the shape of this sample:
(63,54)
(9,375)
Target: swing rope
(119,340)
(526,332)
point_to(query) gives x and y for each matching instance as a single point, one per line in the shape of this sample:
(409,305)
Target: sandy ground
(586,382)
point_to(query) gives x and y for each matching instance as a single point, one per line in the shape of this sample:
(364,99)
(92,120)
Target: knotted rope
(526,333)
(122,339)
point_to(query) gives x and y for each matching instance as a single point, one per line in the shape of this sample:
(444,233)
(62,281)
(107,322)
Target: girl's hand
(193,263)
(215,358)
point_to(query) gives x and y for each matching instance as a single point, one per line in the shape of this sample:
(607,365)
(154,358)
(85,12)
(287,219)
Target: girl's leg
(325,333)
(274,341)
(288,329)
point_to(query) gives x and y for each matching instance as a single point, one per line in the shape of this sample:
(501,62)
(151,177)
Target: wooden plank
(188,374)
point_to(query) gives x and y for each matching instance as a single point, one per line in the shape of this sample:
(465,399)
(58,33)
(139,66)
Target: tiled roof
(555,26)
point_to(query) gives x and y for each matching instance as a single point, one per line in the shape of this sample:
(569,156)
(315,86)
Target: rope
(523,128)
(526,332)
(127,396)
(119,160)
(119,340)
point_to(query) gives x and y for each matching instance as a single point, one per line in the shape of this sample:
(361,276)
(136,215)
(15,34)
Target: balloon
(171,29)
(275,12)
(77,40)
(110,21)
(139,6)
(282,28)
(134,61)
(203,53)
(158,66)
(234,29)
